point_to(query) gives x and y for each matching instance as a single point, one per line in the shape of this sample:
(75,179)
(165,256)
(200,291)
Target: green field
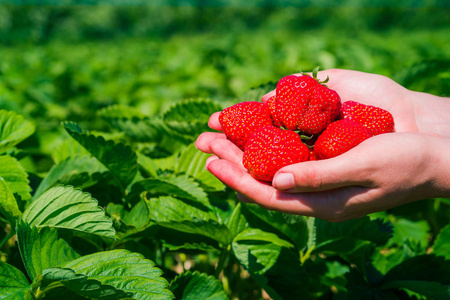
(100,105)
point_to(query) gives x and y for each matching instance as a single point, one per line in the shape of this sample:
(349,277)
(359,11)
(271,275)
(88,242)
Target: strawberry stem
(314,75)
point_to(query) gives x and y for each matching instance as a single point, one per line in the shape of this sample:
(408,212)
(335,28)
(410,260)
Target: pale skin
(382,172)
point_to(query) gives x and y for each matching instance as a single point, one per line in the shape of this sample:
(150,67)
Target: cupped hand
(382,172)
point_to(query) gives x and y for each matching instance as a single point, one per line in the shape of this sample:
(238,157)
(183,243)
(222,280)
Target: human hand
(374,176)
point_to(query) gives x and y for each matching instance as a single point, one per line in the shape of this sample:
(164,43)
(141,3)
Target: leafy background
(104,196)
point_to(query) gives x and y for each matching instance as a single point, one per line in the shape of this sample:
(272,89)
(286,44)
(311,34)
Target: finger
(334,205)
(214,121)
(240,180)
(348,169)
(210,159)
(267,96)
(244,199)
(206,139)
(225,149)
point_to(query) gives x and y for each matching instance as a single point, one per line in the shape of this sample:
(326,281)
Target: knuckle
(313,178)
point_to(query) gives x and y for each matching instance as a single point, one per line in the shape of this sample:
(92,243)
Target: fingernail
(284,181)
(210,159)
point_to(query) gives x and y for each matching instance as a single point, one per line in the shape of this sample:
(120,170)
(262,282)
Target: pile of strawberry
(304,121)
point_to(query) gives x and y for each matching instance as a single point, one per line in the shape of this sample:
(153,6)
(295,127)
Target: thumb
(313,176)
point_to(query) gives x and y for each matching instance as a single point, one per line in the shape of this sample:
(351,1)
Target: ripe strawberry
(303,103)
(375,119)
(241,120)
(339,137)
(271,148)
(273,113)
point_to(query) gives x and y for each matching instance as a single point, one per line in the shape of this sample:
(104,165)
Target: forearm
(432,113)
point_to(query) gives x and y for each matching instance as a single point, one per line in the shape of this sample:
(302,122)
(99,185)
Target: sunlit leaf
(76,170)
(175,214)
(196,285)
(441,245)
(124,271)
(177,186)
(190,118)
(14,174)
(68,208)
(119,158)
(42,249)
(13,129)
(134,124)
(8,204)
(13,283)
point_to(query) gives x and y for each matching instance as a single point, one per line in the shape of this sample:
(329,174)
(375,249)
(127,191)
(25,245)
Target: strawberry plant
(131,213)
(104,196)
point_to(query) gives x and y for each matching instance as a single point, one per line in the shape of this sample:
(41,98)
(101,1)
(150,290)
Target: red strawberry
(241,120)
(271,148)
(312,155)
(375,119)
(303,103)
(273,112)
(339,137)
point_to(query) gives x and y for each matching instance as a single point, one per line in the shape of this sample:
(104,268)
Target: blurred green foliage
(121,71)
(66,62)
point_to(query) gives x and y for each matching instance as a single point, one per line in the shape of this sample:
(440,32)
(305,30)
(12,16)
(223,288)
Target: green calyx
(314,75)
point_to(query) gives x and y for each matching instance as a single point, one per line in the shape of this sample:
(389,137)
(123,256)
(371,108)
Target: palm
(374,90)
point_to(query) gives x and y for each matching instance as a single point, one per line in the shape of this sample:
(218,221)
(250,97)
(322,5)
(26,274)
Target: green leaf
(175,214)
(13,129)
(125,271)
(191,162)
(254,234)
(441,245)
(119,158)
(76,171)
(119,111)
(8,204)
(404,229)
(139,216)
(174,240)
(427,68)
(276,268)
(133,123)
(67,149)
(344,236)
(358,288)
(68,208)
(42,249)
(237,222)
(179,186)
(13,283)
(256,93)
(80,284)
(15,175)
(427,275)
(291,226)
(190,118)
(196,285)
